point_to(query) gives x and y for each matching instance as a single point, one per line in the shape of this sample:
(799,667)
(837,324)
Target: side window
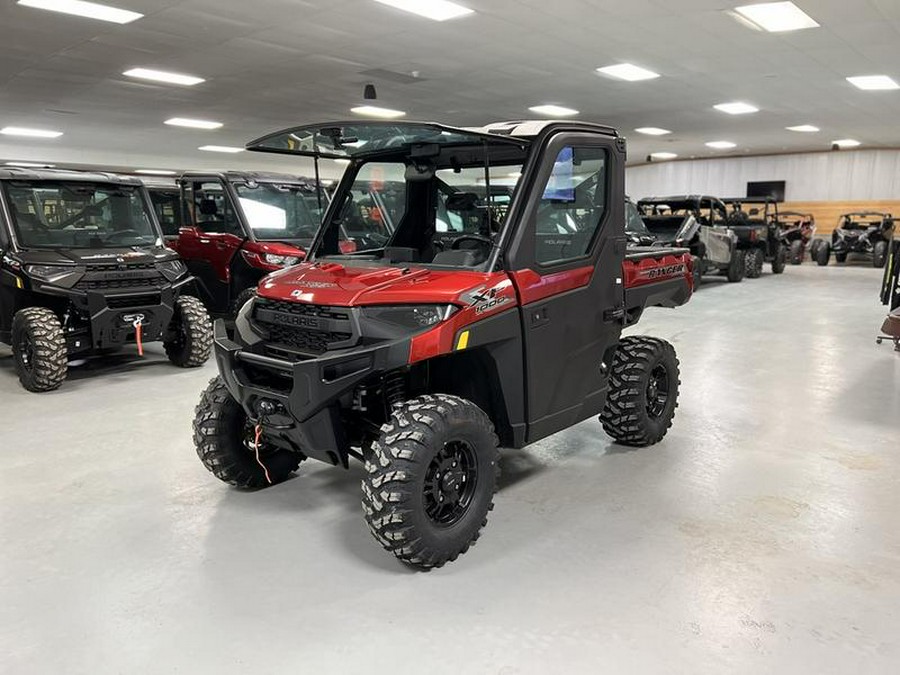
(213,212)
(573,205)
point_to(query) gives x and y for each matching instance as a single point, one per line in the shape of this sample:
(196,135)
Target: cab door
(566,263)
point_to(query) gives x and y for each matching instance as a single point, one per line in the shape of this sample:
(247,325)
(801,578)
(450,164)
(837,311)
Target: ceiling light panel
(31,133)
(436,10)
(652,131)
(736,108)
(551,110)
(30,165)
(193,124)
(89,10)
(164,76)
(156,172)
(776,17)
(628,72)
(804,128)
(663,155)
(375,111)
(220,148)
(721,145)
(873,82)
(847,143)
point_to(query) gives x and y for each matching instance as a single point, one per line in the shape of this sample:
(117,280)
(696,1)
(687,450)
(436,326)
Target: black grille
(105,277)
(123,302)
(106,284)
(301,338)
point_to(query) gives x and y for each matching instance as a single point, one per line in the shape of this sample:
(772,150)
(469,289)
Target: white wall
(828,176)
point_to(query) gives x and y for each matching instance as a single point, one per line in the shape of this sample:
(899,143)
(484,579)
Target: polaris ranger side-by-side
(236,227)
(755,222)
(83,269)
(423,354)
(865,233)
(696,222)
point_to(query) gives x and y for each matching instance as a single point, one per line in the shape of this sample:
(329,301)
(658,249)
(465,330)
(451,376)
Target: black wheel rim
(657,391)
(450,483)
(25,351)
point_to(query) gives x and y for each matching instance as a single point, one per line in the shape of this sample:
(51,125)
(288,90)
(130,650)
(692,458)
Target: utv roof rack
(19,173)
(254,176)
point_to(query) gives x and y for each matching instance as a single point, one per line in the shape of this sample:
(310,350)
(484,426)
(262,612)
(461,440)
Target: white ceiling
(275,63)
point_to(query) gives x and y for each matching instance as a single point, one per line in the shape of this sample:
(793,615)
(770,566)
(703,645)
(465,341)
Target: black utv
(755,221)
(696,222)
(865,233)
(83,271)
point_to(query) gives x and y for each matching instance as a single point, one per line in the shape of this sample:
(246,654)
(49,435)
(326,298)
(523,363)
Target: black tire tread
(796,252)
(50,363)
(195,320)
(400,453)
(242,298)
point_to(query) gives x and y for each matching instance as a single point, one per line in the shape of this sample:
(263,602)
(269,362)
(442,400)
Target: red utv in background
(797,230)
(235,227)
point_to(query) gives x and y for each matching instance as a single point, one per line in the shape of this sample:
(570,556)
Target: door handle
(539,317)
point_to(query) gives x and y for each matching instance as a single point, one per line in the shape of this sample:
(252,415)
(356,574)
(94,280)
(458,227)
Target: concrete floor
(760,536)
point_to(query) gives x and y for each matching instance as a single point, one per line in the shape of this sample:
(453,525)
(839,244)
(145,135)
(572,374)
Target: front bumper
(306,394)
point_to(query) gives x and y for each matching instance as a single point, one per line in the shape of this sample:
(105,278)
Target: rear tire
(242,299)
(192,331)
(754,263)
(39,349)
(840,258)
(879,254)
(823,254)
(796,252)
(780,260)
(430,479)
(737,268)
(224,436)
(643,391)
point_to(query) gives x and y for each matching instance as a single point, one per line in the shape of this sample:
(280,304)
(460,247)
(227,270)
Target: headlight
(49,273)
(281,260)
(414,317)
(172,269)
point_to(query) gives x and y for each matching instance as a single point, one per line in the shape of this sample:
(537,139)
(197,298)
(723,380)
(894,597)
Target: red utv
(237,227)
(797,231)
(477,323)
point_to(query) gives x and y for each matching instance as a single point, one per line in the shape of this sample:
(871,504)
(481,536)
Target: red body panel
(644,271)
(253,252)
(533,287)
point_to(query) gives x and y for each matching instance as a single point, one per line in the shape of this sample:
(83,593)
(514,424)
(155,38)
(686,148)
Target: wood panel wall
(828,213)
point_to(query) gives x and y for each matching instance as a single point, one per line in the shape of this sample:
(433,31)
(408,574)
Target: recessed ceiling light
(436,10)
(873,82)
(90,10)
(553,110)
(375,111)
(663,155)
(652,131)
(628,72)
(804,128)
(847,143)
(31,165)
(32,133)
(721,145)
(155,172)
(193,124)
(736,108)
(776,17)
(163,76)
(220,148)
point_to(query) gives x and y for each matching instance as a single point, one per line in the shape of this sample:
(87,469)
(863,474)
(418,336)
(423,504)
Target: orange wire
(256,448)
(137,336)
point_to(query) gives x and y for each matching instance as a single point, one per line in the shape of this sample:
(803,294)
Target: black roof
(254,176)
(17,173)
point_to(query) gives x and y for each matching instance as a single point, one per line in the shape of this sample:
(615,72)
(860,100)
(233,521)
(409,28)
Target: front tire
(754,263)
(224,438)
(430,479)
(879,254)
(643,391)
(737,268)
(191,334)
(39,349)
(796,252)
(780,260)
(823,254)
(242,299)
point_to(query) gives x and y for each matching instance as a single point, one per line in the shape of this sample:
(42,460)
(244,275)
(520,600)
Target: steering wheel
(121,234)
(470,237)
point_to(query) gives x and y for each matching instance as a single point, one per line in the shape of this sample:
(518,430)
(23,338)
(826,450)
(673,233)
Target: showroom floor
(761,535)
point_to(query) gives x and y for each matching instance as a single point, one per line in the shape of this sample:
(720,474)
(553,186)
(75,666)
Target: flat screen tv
(768,188)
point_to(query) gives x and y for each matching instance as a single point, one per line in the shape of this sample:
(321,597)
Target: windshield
(276,212)
(634,224)
(58,214)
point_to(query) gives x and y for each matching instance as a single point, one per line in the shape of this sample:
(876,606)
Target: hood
(99,256)
(345,286)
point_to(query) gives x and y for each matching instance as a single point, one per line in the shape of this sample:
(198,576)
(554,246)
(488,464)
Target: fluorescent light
(163,76)
(375,111)
(847,143)
(220,148)
(193,124)
(663,155)
(436,10)
(776,17)
(156,172)
(736,108)
(873,82)
(32,133)
(31,165)
(90,10)
(804,128)
(628,72)
(652,131)
(551,110)
(721,145)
